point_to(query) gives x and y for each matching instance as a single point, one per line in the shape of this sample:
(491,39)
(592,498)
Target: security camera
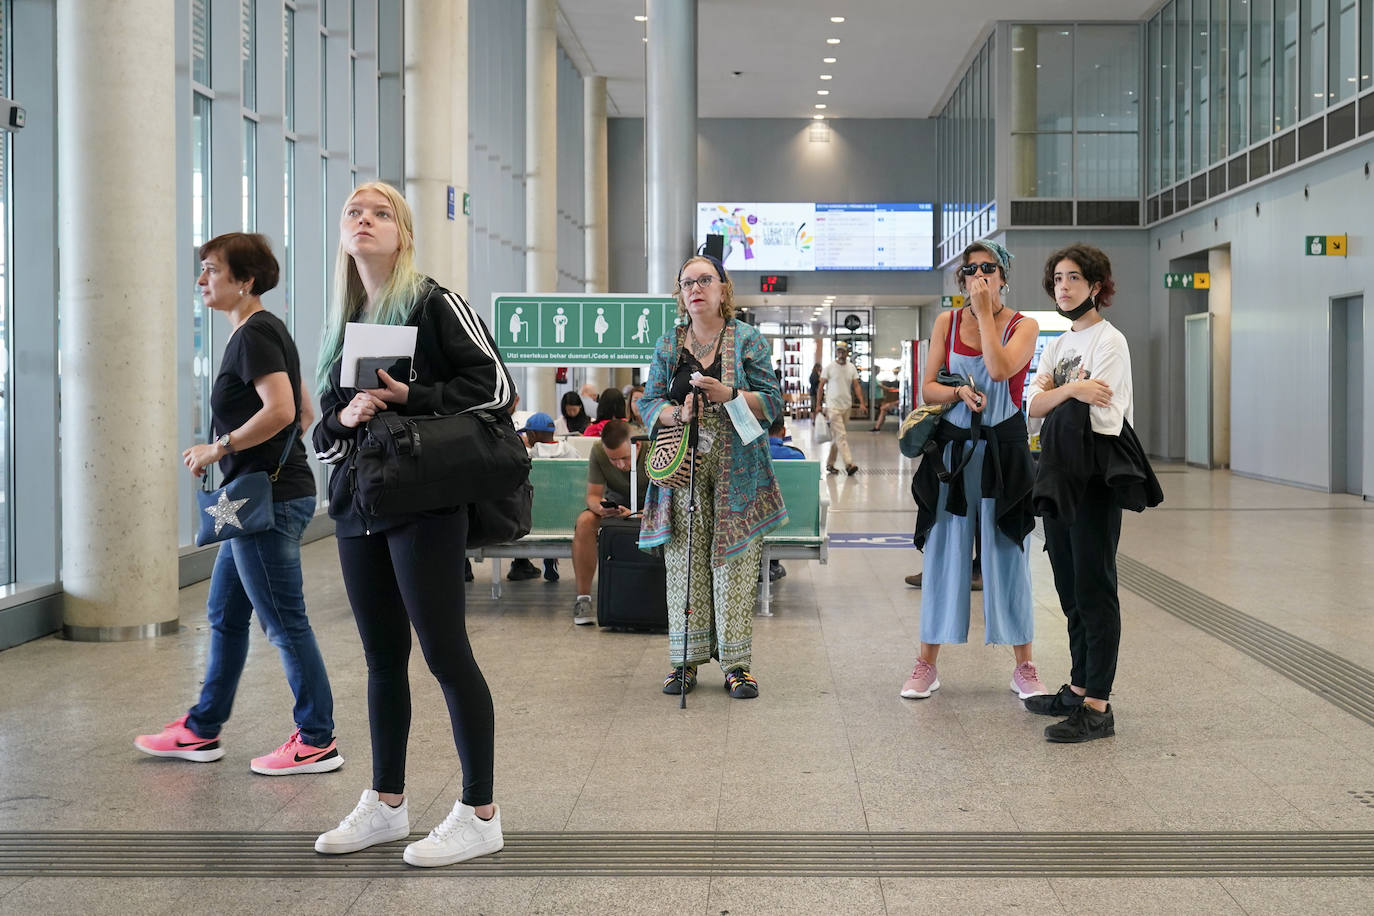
(11,114)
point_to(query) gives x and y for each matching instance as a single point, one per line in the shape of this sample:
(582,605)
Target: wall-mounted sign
(1197,280)
(450,201)
(555,329)
(952,302)
(1324,245)
(467,204)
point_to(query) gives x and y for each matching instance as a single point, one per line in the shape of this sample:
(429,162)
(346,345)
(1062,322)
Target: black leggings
(411,575)
(1083,556)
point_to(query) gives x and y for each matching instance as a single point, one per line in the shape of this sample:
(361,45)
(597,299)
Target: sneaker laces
(291,742)
(457,819)
(921,667)
(353,818)
(1027,671)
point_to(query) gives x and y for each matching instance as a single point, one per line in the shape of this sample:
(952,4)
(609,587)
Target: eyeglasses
(704,282)
(986,267)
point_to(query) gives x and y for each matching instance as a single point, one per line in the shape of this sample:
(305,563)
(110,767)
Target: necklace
(699,350)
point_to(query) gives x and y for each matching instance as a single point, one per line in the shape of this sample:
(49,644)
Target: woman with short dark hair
(609,406)
(572,416)
(259,406)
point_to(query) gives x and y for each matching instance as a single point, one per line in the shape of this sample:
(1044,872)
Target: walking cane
(691,524)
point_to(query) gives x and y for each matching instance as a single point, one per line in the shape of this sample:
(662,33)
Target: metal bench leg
(496,577)
(765,586)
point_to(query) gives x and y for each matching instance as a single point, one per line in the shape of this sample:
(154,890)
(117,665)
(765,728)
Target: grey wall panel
(1280,426)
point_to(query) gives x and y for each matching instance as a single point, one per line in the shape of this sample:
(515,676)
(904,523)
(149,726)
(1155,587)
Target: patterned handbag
(670,459)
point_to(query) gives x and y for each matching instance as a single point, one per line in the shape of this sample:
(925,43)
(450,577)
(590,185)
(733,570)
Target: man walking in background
(839,388)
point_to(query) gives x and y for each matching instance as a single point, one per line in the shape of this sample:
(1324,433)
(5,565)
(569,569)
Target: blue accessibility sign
(865,539)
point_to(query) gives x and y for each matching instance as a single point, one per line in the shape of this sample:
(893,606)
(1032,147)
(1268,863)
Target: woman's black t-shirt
(260,346)
(681,385)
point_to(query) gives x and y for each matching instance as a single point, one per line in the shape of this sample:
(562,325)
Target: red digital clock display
(773,283)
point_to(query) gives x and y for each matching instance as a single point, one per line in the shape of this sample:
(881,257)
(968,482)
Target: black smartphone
(398,367)
(609,504)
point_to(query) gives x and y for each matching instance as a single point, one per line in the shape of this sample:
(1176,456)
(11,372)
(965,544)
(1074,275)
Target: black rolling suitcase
(631,585)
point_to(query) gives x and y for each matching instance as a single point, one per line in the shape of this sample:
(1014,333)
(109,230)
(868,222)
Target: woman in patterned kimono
(713,354)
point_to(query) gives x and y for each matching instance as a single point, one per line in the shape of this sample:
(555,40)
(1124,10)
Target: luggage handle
(634,466)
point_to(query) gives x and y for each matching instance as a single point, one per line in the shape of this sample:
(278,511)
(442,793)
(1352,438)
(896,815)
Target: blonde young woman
(721,358)
(401,571)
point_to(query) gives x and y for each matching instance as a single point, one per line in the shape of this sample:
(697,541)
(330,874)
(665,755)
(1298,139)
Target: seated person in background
(890,393)
(636,419)
(608,480)
(610,406)
(780,450)
(572,418)
(539,441)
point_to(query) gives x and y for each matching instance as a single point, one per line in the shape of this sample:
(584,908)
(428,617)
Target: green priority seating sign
(573,329)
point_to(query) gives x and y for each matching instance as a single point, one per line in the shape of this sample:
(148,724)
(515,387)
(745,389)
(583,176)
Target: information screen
(821,236)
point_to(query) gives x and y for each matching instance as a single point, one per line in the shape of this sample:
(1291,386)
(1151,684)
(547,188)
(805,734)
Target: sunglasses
(986,267)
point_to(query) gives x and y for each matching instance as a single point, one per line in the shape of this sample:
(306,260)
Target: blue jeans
(263,572)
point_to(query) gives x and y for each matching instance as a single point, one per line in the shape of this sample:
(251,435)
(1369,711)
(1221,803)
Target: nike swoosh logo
(193,743)
(303,758)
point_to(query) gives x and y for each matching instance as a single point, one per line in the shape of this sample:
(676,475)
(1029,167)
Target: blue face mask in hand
(746,424)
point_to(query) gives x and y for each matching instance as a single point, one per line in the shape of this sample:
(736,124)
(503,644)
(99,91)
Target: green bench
(560,494)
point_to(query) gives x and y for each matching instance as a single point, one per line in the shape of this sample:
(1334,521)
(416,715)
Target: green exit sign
(1195,280)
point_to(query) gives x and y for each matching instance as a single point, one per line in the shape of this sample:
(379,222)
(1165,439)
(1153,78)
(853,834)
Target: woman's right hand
(689,407)
(972,397)
(362,408)
(1091,391)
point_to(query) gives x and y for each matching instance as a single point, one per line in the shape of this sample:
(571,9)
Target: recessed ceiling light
(832,41)
(822,92)
(837,19)
(820,105)
(827,60)
(818,117)
(826,76)
(641,19)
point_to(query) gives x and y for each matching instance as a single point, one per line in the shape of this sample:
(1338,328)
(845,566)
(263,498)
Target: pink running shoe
(1025,681)
(295,756)
(176,740)
(923,681)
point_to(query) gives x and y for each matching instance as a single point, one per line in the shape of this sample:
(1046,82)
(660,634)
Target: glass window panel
(250,175)
(1045,165)
(1153,71)
(288,239)
(248,42)
(1313,90)
(1200,95)
(6,344)
(1238,57)
(200,233)
(1219,54)
(1366,43)
(1107,78)
(289,58)
(1182,102)
(1343,78)
(1261,69)
(1107,165)
(324,93)
(200,41)
(353,109)
(1167,86)
(1042,77)
(1286,71)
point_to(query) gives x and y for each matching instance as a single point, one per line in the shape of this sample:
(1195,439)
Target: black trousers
(1083,556)
(407,576)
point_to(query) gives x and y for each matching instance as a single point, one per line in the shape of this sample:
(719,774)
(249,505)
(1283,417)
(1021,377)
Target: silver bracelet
(677,414)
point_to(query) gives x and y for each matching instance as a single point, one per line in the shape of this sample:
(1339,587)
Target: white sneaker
(582,611)
(372,822)
(462,836)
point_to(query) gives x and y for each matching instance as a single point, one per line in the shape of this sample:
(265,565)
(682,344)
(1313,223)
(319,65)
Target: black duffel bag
(421,464)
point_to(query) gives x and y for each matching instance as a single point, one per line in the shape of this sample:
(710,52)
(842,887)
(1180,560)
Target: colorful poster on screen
(787,237)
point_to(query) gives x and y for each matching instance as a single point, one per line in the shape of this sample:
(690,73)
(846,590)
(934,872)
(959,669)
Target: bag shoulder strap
(949,341)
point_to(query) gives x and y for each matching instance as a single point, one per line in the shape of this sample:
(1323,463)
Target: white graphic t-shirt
(1099,352)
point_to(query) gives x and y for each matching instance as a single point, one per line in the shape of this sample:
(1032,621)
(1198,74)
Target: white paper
(746,424)
(373,340)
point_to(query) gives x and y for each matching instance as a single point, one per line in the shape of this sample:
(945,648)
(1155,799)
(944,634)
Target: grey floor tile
(44,896)
(1145,896)
(445,894)
(789,896)
(969,896)
(622,896)
(1278,896)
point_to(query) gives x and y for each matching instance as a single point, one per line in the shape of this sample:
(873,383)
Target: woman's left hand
(716,391)
(199,457)
(394,393)
(984,295)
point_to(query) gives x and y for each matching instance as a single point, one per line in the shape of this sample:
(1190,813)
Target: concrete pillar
(670,138)
(117,233)
(1024,108)
(596,199)
(430,61)
(1219,304)
(541,177)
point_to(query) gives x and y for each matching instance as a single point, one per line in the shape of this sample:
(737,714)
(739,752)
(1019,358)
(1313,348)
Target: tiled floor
(1209,739)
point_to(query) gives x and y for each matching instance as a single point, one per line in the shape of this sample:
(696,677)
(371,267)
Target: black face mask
(1088,304)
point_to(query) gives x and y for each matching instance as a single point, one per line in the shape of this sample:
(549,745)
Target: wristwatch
(223,442)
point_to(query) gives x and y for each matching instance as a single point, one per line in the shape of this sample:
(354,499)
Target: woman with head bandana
(979,477)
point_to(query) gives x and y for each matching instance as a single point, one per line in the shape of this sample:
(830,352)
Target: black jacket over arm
(457,368)
(1071,453)
(1007,477)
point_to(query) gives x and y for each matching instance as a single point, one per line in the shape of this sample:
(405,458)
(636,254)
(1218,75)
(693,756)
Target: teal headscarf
(997,251)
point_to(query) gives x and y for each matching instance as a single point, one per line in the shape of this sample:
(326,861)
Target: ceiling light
(818,117)
(832,41)
(822,92)
(827,60)
(641,19)
(837,19)
(826,76)
(820,105)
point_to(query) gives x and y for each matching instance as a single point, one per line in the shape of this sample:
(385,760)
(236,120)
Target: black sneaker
(673,682)
(551,570)
(1083,724)
(775,570)
(521,568)
(467,570)
(1059,704)
(741,684)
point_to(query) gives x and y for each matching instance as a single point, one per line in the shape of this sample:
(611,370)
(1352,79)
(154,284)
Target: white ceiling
(896,58)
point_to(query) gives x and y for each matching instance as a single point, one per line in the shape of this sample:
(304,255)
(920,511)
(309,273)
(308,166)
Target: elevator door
(1197,389)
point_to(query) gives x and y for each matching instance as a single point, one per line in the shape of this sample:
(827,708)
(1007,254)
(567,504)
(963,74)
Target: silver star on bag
(225,512)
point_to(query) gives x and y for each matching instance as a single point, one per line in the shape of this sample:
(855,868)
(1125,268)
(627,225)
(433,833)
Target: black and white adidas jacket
(457,368)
